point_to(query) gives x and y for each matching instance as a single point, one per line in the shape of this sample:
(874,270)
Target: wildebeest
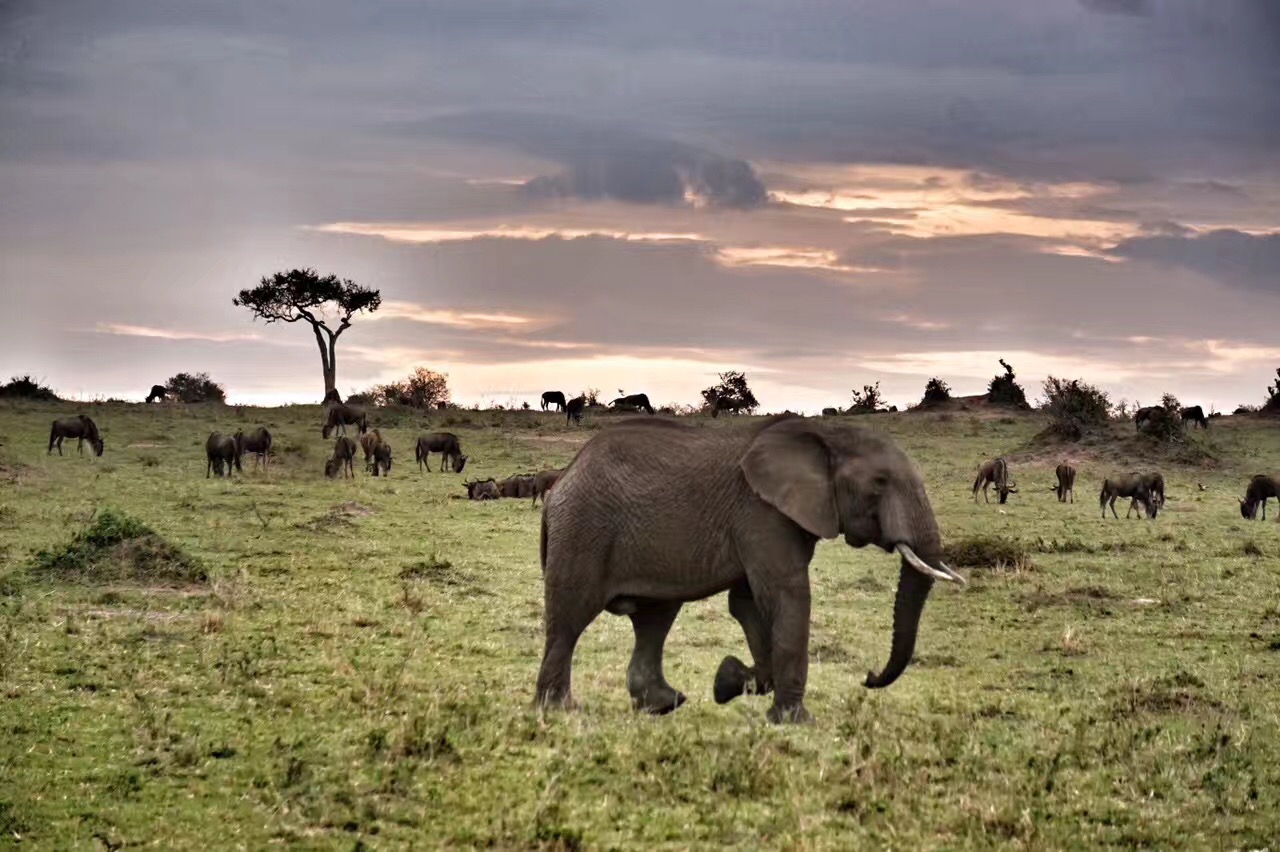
(369,442)
(1066,482)
(550,398)
(994,472)
(1195,414)
(574,408)
(342,460)
(79,427)
(221,454)
(445,443)
(382,459)
(157,392)
(830,412)
(1143,416)
(257,442)
(633,400)
(725,403)
(485,489)
(1130,485)
(543,482)
(339,416)
(519,485)
(1261,488)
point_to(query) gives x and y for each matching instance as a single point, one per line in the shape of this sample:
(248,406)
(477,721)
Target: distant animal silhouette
(79,427)
(340,415)
(1066,482)
(343,459)
(724,403)
(157,392)
(221,454)
(257,442)
(445,443)
(381,459)
(1143,417)
(830,412)
(574,408)
(1261,488)
(369,442)
(631,401)
(1134,486)
(994,472)
(550,398)
(543,482)
(1194,414)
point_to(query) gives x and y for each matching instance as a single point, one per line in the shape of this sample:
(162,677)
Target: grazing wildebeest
(629,531)
(1195,414)
(222,454)
(444,443)
(1261,488)
(382,459)
(724,403)
(1130,485)
(257,442)
(1143,416)
(574,408)
(79,427)
(550,398)
(633,400)
(331,395)
(485,489)
(543,482)
(830,412)
(520,485)
(157,392)
(340,415)
(343,458)
(994,472)
(1066,482)
(369,441)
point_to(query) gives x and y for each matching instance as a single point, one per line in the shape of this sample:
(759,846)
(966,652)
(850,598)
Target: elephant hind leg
(648,686)
(734,678)
(567,615)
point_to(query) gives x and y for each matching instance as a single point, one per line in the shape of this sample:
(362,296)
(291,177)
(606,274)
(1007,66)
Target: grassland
(344,663)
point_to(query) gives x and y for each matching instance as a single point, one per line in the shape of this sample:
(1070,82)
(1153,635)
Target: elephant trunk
(913,591)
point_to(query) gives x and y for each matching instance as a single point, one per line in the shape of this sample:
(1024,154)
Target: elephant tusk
(945,567)
(924,567)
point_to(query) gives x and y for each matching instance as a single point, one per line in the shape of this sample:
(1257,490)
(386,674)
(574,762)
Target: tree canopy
(732,393)
(195,387)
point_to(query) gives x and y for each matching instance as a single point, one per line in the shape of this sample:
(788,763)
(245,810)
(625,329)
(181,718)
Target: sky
(637,196)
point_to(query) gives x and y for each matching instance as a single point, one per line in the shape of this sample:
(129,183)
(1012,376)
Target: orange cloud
(170,334)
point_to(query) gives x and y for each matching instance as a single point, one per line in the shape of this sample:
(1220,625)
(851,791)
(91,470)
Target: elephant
(694,512)
(1262,487)
(1066,482)
(221,453)
(994,472)
(550,398)
(1134,486)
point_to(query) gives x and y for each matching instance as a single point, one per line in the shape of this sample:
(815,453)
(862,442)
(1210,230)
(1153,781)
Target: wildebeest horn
(925,568)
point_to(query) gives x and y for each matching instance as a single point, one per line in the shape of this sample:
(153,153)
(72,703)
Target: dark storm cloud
(609,162)
(1233,257)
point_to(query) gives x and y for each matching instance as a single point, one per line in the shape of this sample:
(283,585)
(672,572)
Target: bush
(591,395)
(733,391)
(195,387)
(421,389)
(1272,405)
(1003,390)
(115,548)
(936,392)
(1163,422)
(993,552)
(25,387)
(1075,407)
(867,400)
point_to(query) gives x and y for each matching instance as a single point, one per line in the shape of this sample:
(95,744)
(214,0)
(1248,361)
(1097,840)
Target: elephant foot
(731,679)
(794,715)
(658,700)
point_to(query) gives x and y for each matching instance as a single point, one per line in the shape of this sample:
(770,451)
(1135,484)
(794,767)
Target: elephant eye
(880,480)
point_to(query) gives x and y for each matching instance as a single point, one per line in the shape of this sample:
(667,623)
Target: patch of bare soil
(338,517)
(145,445)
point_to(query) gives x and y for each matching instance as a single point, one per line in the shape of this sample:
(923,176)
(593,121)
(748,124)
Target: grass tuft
(988,552)
(117,548)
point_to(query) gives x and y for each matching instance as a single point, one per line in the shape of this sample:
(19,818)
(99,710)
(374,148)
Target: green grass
(355,662)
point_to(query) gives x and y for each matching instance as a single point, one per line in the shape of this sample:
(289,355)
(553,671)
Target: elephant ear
(790,470)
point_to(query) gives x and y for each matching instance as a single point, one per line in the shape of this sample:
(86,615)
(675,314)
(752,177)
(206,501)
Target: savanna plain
(286,659)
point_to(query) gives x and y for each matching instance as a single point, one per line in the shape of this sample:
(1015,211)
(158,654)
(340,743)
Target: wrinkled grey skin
(1066,482)
(221,454)
(80,427)
(1261,488)
(543,482)
(445,443)
(1134,486)
(520,485)
(652,513)
(994,472)
(343,459)
(257,442)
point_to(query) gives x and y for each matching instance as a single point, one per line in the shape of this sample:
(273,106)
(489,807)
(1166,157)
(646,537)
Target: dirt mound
(1123,449)
(115,548)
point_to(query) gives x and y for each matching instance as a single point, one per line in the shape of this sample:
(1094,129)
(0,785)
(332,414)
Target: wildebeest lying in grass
(339,416)
(1134,486)
(1261,488)
(445,443)
(520,486)
(221,454)
(342,460)
(482,489)
(257,442)
(994,472)
(79,427)
(1066,482)
(543,482)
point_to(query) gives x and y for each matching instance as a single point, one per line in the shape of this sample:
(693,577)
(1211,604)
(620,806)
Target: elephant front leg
(789,624)
(734,678)
(648,686)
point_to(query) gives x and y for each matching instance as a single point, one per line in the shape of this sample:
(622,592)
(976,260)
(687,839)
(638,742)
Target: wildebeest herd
(654,512)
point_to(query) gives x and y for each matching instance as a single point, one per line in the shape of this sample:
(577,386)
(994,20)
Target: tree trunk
(327,364)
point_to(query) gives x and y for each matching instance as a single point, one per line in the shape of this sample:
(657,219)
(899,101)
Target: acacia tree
(302,294)
(734,392)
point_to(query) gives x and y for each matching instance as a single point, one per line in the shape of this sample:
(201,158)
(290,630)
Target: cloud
(1139,8)
(392,310)
(1230,256)
(608,162)
(171,334)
